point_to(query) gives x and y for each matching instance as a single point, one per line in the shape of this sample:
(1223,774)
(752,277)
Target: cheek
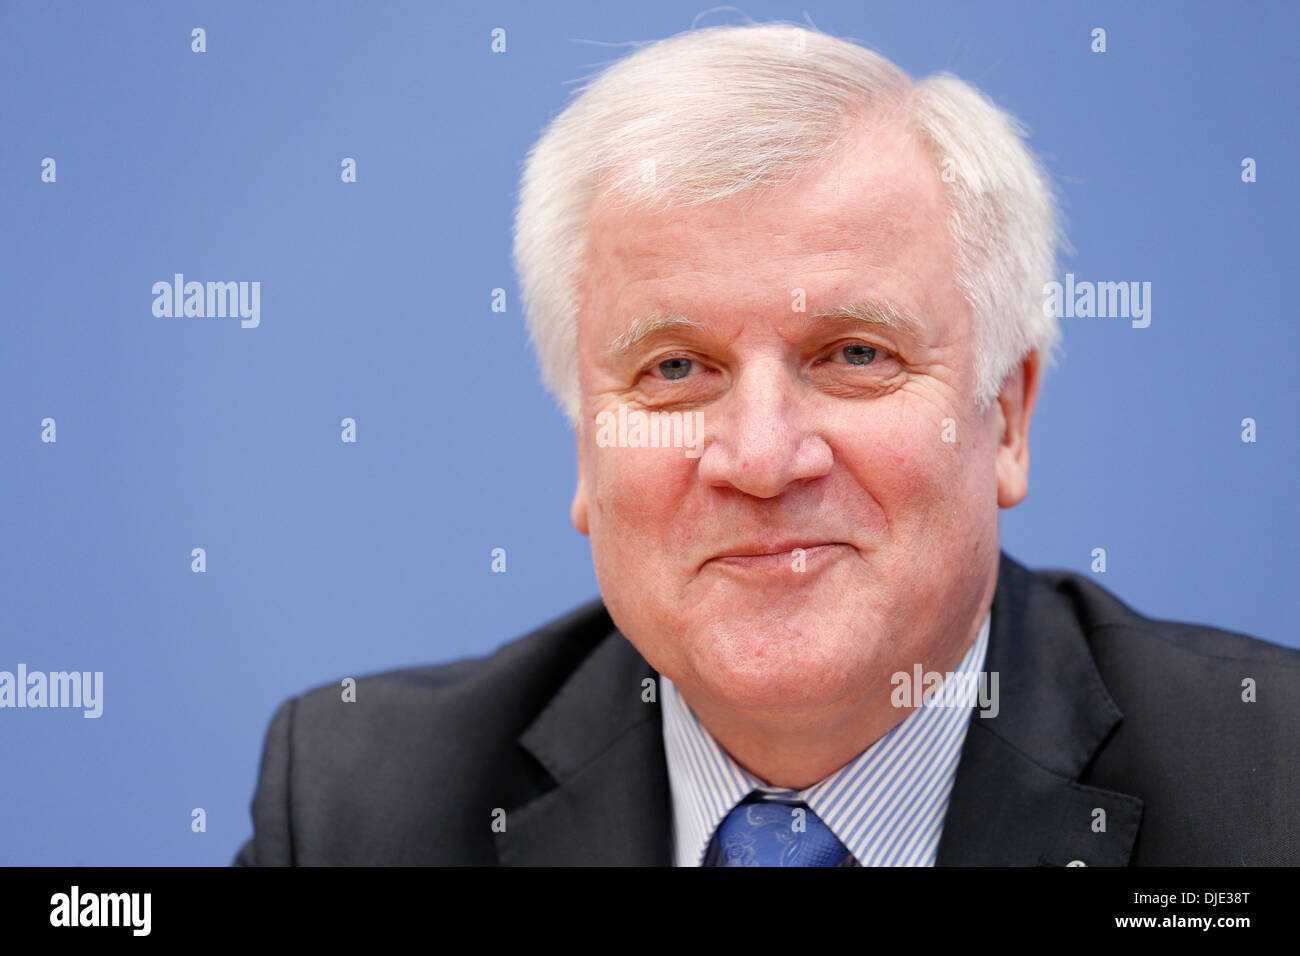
(637,494)
(922,468)
(639,511)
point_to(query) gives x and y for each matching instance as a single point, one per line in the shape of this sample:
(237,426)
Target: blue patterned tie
(767,833)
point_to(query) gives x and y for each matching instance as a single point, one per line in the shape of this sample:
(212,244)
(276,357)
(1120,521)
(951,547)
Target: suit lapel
(1016,799)
(602,744)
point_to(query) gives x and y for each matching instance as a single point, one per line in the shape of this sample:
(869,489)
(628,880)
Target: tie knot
(771,833)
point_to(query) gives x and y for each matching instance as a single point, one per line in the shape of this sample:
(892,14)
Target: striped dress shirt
(887,805)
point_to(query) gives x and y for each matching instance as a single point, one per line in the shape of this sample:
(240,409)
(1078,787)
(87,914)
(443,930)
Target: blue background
(327,560)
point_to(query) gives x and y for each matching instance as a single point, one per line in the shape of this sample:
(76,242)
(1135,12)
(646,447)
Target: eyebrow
(877,314)
(645,326)
(867,312)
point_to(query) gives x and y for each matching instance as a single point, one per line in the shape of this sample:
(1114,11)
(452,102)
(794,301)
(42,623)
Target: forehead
(872,215)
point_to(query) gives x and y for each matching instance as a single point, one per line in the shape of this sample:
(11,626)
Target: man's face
(858,443)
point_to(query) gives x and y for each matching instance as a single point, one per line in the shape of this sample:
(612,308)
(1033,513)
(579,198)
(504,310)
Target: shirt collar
(886,805)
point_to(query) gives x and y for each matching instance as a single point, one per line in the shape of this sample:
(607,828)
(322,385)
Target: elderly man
(814,289)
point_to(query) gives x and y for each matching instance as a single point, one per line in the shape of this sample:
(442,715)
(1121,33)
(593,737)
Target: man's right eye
(675,368)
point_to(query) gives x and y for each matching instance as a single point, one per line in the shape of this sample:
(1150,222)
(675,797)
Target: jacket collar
(1015,800)
(600,739)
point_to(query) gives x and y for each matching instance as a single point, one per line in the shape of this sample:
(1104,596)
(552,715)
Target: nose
(759,437)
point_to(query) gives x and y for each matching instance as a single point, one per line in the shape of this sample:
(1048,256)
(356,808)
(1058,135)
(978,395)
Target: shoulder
(1208,737)
(1119,635)
(407,766)
(504,689)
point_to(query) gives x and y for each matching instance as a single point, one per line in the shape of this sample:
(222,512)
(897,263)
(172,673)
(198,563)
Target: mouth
(779,557)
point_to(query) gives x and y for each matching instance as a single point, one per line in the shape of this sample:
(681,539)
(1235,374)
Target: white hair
(727,109)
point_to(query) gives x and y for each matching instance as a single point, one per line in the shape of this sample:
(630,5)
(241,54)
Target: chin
(762,666)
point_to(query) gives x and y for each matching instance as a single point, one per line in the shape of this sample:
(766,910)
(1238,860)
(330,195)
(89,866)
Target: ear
(578,510)
(1015,408)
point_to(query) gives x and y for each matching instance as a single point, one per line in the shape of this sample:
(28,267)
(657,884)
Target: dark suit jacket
(1100,708)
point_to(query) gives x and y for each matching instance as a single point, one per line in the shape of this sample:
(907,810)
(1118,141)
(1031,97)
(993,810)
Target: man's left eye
(859,354)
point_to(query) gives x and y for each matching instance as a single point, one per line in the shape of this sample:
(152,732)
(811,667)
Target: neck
(796,748)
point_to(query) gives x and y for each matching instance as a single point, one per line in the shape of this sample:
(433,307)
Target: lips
(778,555)
(763,548)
